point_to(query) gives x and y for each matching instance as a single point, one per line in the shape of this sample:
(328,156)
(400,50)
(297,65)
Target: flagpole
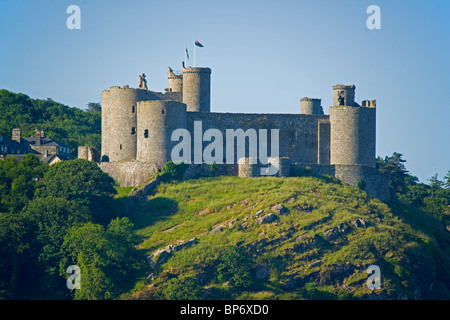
(194,54)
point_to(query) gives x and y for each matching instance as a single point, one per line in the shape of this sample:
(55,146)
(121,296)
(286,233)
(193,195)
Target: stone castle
(137,125)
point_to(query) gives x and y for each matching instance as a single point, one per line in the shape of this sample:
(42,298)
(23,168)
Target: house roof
(48,142)
(41,157)
(12,144)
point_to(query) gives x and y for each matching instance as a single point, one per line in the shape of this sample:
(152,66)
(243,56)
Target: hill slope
(210,240)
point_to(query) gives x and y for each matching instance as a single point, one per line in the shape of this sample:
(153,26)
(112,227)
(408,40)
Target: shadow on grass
(154,210)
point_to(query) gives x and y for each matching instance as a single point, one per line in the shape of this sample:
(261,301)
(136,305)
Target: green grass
(395,238)
(123,191)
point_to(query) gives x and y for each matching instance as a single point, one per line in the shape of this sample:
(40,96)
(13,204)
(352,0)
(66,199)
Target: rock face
(333,233)
(278,209)
(217,229)
(315,264)
(306,243)
(160,256)
(258,213)
(359,223)
(268,218)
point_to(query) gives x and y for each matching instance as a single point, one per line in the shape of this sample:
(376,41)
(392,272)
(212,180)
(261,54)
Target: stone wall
(298,134)
(377,184)
(129,173)
(88,153)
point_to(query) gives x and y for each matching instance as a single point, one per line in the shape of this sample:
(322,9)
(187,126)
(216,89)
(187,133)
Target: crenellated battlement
(197,70)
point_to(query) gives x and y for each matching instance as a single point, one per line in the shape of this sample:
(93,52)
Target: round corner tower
(197,89)
(310,106)
(119,122)
(352,130)
(156,122)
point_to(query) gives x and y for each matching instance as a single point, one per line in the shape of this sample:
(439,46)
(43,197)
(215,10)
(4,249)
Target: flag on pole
(198,44)
(187,53)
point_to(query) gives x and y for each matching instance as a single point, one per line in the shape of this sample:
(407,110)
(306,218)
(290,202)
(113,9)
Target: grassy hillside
(319,248)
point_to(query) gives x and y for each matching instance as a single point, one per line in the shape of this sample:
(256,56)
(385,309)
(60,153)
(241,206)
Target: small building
(46,149)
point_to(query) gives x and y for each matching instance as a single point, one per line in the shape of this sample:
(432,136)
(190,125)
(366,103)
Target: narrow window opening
(133,109)
(133,130)
(162,111)
(146,133)
(120,147)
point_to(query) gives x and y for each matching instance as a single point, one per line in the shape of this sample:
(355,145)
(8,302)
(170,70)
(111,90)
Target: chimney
(37,137)
(16,134)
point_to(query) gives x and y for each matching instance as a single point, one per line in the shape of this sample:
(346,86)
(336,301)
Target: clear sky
(264,55)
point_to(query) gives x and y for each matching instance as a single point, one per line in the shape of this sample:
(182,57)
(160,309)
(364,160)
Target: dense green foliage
(171,171)
(70,126)
(53,217)
(433,198)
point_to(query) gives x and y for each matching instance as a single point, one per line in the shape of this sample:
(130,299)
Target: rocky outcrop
(359,223)
(160,256)
(143,192)
(278,209)
(333,233)
(268,218)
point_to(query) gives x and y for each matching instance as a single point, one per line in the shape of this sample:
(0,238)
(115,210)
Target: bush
(361,184)
(233,266)
(185,288)
(172,171)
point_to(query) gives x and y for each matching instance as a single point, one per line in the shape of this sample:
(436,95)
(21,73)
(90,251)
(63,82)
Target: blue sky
(264,55)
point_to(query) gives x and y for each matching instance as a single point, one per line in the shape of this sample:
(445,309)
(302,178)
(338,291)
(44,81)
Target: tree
(107,258)
(447,180)
(50,218)
(94,107)
(84,182)
(435,184)
(400,177)
(18,182)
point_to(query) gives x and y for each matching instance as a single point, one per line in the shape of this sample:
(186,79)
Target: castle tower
(344,95)
(197,89)
(352,130)
(310,106)
(156,122)
(119,122)
(175,81)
